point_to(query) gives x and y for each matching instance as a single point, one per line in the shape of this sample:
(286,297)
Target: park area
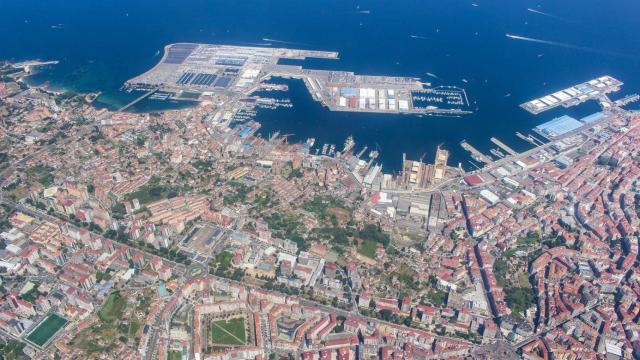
(117,322)
(368,249)
(112,309)
(228,332)
(46,330)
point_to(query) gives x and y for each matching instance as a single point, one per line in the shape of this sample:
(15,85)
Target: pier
(28,65)
(102,118)
(590,90)
(530,139)
(497,153)
(536,140)
(475,153)
(503,146)
(137,100)
(627,100)
(34,63)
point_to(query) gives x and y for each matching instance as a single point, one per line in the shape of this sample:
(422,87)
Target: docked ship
(325,147)
(306,147)
(348,144)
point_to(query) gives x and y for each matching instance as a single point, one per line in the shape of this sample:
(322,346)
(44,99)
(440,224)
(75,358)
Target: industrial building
(416,174)
(558,127)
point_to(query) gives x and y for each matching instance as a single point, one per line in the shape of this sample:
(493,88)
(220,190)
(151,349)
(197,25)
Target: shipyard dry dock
(192,71)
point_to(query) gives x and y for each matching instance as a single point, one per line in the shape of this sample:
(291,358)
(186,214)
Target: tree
(118,211)
(140,140)
(374,232)
(519,300)
(407,321)
(386,314)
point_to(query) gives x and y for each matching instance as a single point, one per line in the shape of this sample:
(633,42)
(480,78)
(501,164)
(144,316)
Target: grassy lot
(341,215)
(523,280)
(174,355)
(320,206)
(437,297)
(112,309)
(46,329)
(404,279)
(41,173)
(150,193)
(229,332)
(11,350)
(134,326)
(368,248)
(113,325)
(518,300)
(95,339)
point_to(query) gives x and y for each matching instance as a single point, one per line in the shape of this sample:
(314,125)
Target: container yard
(235,72)
(592,89)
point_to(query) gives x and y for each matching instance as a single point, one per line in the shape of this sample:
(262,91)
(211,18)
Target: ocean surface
(102,44)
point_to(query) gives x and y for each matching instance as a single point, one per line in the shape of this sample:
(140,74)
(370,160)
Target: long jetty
(475,152)
(503,146)
(137,100)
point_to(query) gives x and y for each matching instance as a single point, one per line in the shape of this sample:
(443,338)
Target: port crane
(285,138)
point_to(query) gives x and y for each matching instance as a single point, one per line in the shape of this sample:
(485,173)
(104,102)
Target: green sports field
(47,328)
(228,332)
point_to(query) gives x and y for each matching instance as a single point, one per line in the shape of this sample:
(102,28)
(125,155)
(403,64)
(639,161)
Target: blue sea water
(102,44)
